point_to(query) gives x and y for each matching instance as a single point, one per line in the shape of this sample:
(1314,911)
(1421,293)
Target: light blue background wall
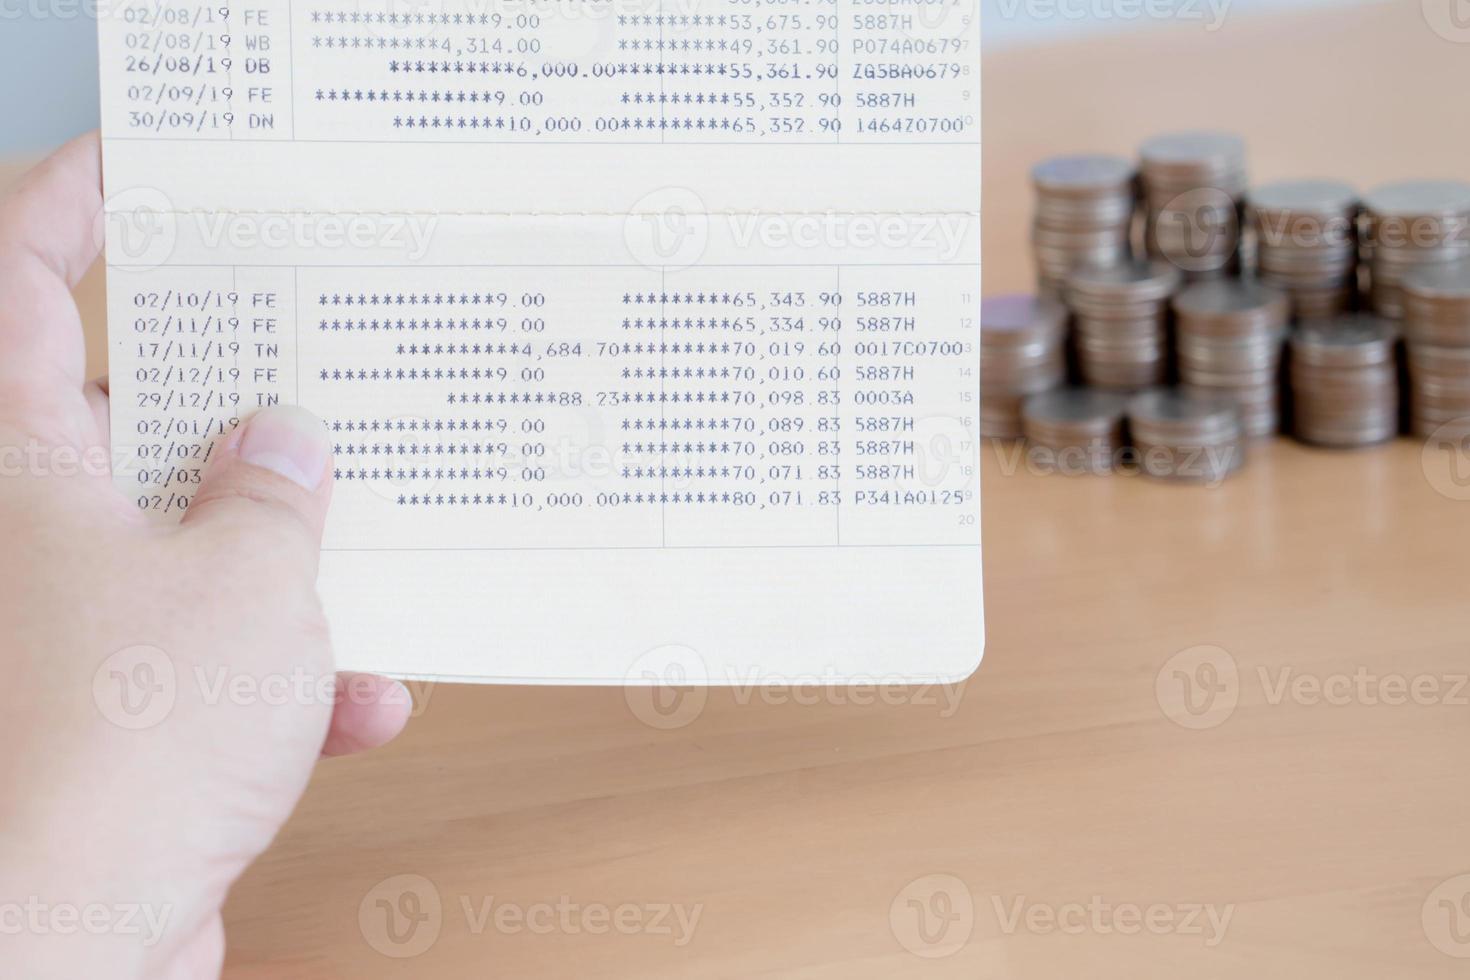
(48,70)
(48,74)
(1011,22)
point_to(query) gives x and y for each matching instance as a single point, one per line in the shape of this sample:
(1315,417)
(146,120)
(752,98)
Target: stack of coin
(1411,224)
(1345,381)
(1022,352)
(1122,322)
(1437,327)
(1080,428)
(1230,335)
(1307,243)
(1084,215)
(1193,184)
(1187,435)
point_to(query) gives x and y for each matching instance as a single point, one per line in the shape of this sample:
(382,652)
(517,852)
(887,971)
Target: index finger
(48,241)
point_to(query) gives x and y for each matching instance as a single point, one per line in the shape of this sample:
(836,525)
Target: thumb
(272,474)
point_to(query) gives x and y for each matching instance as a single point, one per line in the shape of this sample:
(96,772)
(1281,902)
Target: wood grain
(1059,777)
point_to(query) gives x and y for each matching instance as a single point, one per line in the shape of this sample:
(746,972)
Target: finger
(48,241)
(270,478)
(51,212)
(370,712)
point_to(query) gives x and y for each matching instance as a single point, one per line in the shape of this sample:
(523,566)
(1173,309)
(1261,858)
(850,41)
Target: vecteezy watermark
(407,235)
(1199,688)
(1363,687)
(1099,916)
(404,916)
(1210,13)
(671,229)
(933,916)
(1446,917)
(138,688)
(1197,231)
(1284,229)
(1445,459)
(940,236)
(1421,232)
(668,688)
(755,686)
(667,228)
(36,917)
(936,915)
(63,10)
(39,459)
(138,228)
(1450,19)
(1208,466)
(1097,457)
(141,230)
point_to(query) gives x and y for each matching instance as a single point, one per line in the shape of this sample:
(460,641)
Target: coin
(1193,183)
(1306,242)
(1419,198)
(1083,175)
(1084,215)
(1022,351)
(1081,424)
(1188,155)
(1079,240)
(1437,328)
(1122,316)
(1348,341)
(1136,281)
(1345,381)
(1232,308)
(1410,224)
(1020,318)
(1446,284)
(1230,338)
(1186,435)
(1310,199)
(1183,414)
(1437,304)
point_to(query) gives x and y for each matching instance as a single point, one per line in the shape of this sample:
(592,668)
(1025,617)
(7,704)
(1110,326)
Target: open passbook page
(646,330)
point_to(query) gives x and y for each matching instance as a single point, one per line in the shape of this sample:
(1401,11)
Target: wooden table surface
(1217,732)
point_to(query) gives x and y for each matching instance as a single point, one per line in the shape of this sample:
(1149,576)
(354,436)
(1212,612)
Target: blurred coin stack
(1186,435)
(1082,428)
(1193,184)
(1230,333)
(1345,381)
(1122,322)
(1437,328)
(1307,243)
(1084,215)
(1022,353)
(1413,224)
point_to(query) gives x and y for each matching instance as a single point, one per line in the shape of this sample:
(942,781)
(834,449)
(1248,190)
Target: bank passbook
(646,331)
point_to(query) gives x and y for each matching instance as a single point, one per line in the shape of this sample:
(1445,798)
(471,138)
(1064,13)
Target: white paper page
(646,331)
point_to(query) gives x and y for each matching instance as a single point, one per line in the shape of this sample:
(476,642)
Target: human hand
(109,806)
